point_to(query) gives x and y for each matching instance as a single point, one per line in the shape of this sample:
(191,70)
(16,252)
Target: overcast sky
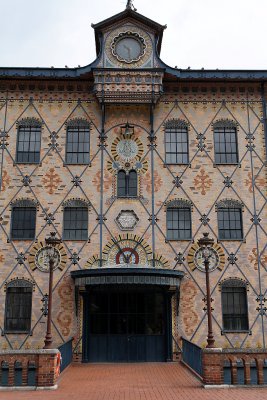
(224,34)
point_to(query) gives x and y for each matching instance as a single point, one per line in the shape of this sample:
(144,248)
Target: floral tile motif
(253,258)
(203,182)
(260,182)
(51,180)
(5,180)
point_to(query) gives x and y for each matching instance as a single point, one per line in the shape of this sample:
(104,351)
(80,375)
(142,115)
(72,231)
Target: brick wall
(213,365)
(45,362)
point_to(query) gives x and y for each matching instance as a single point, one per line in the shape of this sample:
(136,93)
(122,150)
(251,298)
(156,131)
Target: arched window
(230,220)
(28,141)
(225,142)
(176,142)
(179,220)
(78,142)
(234,305)
(18,306)
(127,184)
(23,220)
(75,220)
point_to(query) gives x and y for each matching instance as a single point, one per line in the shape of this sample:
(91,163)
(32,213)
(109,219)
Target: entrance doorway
(126,325)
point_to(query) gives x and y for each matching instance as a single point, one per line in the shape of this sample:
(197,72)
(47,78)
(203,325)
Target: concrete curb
(26,388)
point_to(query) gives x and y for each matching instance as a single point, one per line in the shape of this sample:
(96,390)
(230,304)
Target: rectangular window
(225,145)
(178,223)
(23,223)
(75,223)
(176,146)
(234,306)
(18,309)
(230,223)
(28,144)
(78,143)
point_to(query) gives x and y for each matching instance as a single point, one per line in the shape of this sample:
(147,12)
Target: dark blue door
(125,326)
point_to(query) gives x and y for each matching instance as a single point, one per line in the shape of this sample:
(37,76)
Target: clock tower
(128,68)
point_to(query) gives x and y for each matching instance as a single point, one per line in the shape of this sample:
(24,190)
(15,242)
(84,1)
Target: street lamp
(51,256)
(205,243)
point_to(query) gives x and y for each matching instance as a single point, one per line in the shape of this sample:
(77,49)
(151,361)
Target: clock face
(128,47)
(213,260)
(127,149)
(42,259)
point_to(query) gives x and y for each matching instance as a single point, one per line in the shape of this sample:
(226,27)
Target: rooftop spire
(130,6)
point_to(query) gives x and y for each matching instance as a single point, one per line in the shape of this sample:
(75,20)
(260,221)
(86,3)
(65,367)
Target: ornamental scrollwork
(20,282)
(176,123)
(24,203)
(76,203)
(29,122)
(229,203)
(233,282)
(78,123)
(179,203)
(224,123)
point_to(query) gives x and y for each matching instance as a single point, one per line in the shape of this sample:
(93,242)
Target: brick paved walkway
(155,381)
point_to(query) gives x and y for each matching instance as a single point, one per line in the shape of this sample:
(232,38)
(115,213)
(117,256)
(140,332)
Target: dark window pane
(122,184)
(78,145)
(178,223)
(18,309)
(230,223)
(28,144)
(225,145)
(132,184)
(176,146)
(75,223)
(127,184)
(234,308)
(23,223)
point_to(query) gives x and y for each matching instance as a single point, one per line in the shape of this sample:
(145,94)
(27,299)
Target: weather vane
(130,6)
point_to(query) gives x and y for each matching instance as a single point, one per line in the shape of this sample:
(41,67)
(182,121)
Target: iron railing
(191,355)
(66,354)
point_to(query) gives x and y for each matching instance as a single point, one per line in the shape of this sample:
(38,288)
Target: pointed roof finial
(130,6)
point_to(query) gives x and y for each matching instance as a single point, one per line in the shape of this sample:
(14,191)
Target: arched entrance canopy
(131,275)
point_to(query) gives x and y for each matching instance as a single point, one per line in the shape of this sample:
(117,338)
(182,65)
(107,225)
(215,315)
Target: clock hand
(129,50)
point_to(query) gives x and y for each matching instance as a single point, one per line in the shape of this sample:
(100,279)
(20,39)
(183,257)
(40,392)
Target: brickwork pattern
(167,381)
(52,182)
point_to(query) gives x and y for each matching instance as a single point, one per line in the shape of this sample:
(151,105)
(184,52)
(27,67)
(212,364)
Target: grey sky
(224,34)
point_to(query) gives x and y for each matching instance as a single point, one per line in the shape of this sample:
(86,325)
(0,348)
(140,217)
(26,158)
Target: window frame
(225,127)
(127,185)
(25,207)
(234,283)
(74,207)
(28,126)
(78,127)
(181,208)
(18,331)
(230,207)
(176,130)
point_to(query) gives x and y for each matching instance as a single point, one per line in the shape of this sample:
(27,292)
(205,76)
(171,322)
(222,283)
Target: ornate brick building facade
(129,161)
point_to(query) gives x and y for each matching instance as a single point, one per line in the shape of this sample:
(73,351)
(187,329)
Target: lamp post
(50,256)
(206,243)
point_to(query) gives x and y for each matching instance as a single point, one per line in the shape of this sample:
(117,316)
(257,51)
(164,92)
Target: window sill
(16,332)
(178,240)
(128,198)
(176,164)
(87,163)
(245,331)
(235,164)
(75,240)
(27,163)
(24,239)
(231,240)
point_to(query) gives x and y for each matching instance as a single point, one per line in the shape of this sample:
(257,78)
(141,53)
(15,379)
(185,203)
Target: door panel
(126,326)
